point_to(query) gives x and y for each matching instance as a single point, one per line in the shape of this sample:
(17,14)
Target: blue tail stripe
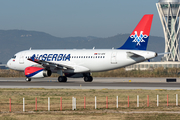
(135,44)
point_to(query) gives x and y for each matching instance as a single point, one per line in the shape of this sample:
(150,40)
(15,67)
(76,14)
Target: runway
(98,83)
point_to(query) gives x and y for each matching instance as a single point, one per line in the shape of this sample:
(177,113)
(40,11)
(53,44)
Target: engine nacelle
(37,72)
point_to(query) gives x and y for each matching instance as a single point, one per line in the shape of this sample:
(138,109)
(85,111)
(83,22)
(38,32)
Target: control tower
(169,13)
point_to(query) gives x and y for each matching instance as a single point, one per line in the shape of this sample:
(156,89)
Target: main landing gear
(62,79)
(88,79)
(28,79)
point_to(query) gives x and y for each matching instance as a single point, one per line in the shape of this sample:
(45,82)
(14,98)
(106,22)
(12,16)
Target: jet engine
(37,72)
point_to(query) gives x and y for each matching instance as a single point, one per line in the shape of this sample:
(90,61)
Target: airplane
(79,63)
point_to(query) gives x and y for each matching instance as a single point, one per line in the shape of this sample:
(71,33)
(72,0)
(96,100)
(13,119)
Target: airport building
(169,13)
(152,65)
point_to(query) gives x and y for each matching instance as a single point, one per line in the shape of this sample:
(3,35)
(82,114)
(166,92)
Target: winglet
(33,57)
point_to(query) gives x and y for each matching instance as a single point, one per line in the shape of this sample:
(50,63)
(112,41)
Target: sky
(72,18)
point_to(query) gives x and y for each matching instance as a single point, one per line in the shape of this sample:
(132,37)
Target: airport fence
(87,103)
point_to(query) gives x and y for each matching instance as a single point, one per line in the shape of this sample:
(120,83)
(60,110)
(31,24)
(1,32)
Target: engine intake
(47,73)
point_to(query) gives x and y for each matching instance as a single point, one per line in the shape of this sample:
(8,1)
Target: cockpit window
(14,57)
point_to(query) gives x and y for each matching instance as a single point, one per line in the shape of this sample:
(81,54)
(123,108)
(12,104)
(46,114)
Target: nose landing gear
(28,79)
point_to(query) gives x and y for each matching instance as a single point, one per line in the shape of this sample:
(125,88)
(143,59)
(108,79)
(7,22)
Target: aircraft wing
(50,64)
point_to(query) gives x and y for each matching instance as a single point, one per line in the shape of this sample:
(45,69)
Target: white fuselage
(84,60)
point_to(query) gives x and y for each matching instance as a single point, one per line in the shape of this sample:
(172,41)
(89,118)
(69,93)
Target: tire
(28,79)
(65,79)
(91,79)
(62,79)
(88,79)
(85,79)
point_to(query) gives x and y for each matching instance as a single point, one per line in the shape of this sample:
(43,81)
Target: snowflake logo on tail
(139,38)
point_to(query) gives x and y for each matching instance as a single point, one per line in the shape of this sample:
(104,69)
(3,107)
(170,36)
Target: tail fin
(138,39)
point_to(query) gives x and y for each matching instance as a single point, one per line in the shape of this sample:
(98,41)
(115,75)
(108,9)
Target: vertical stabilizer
(138,39)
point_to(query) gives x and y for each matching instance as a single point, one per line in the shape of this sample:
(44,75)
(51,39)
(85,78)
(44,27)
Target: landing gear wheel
(28,79)
(62,79)
(88,79)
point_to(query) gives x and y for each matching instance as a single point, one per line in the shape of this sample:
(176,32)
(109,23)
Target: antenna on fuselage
(93,47)
(30,48)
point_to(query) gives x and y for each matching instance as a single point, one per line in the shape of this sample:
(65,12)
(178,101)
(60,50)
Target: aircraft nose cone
(9,64)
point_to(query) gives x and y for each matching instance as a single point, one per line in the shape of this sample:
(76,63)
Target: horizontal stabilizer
(131,54)
(163,53)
